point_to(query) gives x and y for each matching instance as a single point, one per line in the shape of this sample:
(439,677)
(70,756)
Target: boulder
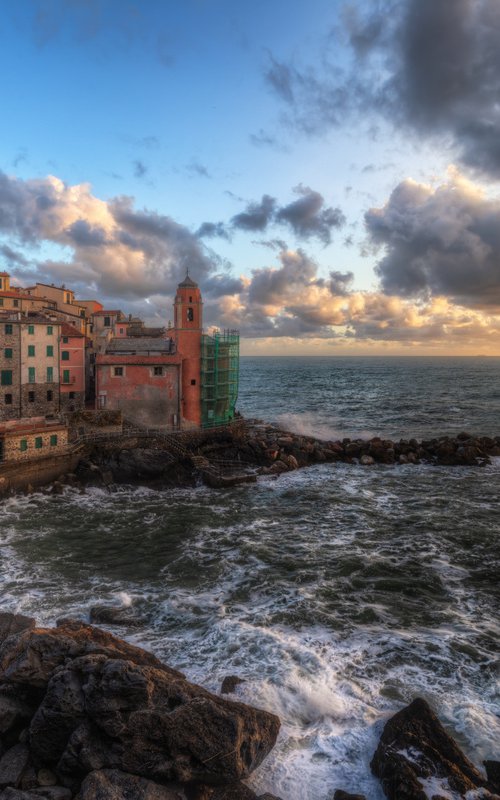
(114,615)
(12,624)
(340,795)
(31,657)
(101,713)
(12,765)
(493,774)
(16,709)
(230,683)
(367,461)
(112,784)
(415,753)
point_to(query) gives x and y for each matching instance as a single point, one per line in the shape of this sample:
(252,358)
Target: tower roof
(188,283)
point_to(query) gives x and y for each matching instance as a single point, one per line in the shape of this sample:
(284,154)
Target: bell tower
(188,321)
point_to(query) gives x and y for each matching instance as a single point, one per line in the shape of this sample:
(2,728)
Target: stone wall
(35,472)
(72,401)
(40,406)
(10,410)
(12,444)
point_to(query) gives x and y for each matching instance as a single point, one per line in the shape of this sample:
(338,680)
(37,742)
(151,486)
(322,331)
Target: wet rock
(366,461)
(493,774)
(46,777)
(31,657)
(239,792)
(414,748)
(12,765)
(16,710)
(102,713)
(12,624)
(112,784)
(230,683)
(114,615)
(17,794)
(52,793)
(340,795)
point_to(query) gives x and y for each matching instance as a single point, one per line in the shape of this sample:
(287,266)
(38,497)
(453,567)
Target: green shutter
(31,349)
(65,375)
(31,329)
(6,377)
(31,374)
(8,352)
(38,442)
(50,350)
(50,374)
(65,355)
(23,445)
(53,440)
(49,330)
(8,328)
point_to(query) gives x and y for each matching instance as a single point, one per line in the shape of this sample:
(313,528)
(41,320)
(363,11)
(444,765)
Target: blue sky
(163,122)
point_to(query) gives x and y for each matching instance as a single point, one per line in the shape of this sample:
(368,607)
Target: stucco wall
(143,398)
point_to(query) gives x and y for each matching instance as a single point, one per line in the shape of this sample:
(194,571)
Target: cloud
(140,169)
(114,248)
(196,169)
(210,230)
(307,217)
(257,216)
(442,240)
(429,65)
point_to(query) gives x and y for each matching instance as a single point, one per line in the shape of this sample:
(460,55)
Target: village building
(23,440)
(72,368)
(180,378)
(29,365)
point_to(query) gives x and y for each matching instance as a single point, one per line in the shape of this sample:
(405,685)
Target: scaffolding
(220,366)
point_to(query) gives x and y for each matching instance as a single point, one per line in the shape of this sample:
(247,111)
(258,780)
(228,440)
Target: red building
(72,368)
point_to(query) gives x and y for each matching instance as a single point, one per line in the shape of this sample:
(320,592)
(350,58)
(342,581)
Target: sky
(329,172)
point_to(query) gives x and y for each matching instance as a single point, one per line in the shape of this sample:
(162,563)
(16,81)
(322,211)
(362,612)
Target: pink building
(72,368)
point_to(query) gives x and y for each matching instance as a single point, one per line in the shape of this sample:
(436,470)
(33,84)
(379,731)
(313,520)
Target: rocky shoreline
(85,715)
(263,449)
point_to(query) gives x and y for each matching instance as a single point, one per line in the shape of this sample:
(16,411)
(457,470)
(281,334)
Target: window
(8,399)
(118,371)
(8,352)
(82,312)
(50,350)
(31,329)
(65,375)
(38,442)
(15,303)
(50,396)
(53,440)
(50,330)
(1,298)
(31,374)
(157,370)
(6,377)
(50,374)
(31,349)
(23,445)
(65,355)
(190,315)
(190,299)
(71,395)
(107,322)
(31,397)
(193,382)
(121,331)
(8,328)
(65,340)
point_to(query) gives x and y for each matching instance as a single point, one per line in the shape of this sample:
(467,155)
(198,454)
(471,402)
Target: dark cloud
(340,282)
(273,286)
(196,169)
(222,285)
(85,235)
(263,139)
(210,230)
(432,65)
(439,241)
(140,169)
(257,216)
(307,217)
(13,257)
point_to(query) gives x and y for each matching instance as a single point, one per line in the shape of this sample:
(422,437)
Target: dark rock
(16,710)
(414,747)
(114,615)
(12,624)
(340,795)
(366,461)
(46,777)
(53,792)
(16,794)
(100,713)
(112,784)
(230,683)
(32,657)
(493,774)
(239,792)
(12,765)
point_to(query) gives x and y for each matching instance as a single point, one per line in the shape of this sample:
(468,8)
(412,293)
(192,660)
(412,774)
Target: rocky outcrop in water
(84,714)
(416,759)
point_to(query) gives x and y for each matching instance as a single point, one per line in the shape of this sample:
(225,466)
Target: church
(181,380)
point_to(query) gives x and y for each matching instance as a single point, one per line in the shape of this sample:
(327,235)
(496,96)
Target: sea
(338,593)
